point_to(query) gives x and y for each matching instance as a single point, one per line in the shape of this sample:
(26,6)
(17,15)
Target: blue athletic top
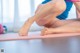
(64,15)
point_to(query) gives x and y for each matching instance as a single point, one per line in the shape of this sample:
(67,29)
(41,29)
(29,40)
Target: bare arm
(78,13)
(77,4)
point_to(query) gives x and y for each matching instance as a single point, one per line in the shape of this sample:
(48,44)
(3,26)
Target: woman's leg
(56,25)
(59,23)
(49,8)
(68,28)
(46,21)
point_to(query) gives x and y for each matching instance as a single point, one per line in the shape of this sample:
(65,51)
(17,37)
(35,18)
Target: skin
(46,16)
(77,4)
(73,27)
(78,14)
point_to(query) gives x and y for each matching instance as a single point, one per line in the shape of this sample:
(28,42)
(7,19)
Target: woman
(46,16)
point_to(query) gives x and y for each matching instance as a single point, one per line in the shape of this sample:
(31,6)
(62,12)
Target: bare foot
(43,32)
(68,28)
(46,31)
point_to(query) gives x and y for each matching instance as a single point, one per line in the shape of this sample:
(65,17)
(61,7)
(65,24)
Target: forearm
(77,4)
(28,23)
(78,14)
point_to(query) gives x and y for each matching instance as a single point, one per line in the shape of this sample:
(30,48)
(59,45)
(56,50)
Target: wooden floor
(50,45)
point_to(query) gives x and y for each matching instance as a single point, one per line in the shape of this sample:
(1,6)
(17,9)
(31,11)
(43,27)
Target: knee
(59,8)
(40,22)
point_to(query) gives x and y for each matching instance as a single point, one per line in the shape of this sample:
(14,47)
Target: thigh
(73,24)
(46,21)
(77,4)
(59,23)
(51,16)
(39,7)
(52,7)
